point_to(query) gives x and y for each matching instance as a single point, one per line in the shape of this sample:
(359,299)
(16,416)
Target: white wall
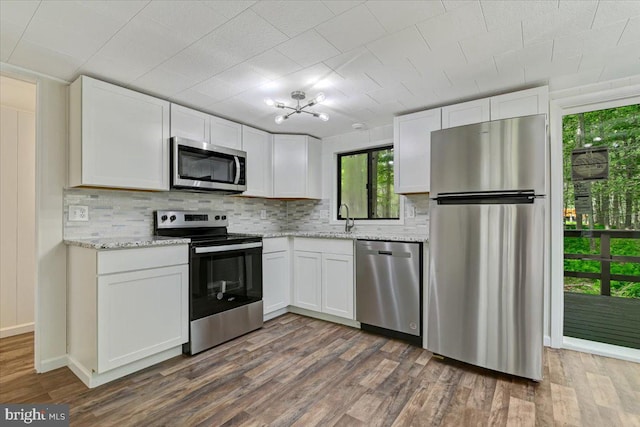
(17,207)
(51,173)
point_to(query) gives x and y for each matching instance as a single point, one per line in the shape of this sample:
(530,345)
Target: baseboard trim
(324,316)
(10,331)
(601,349)
(53,363)
(275,314)
(92,379)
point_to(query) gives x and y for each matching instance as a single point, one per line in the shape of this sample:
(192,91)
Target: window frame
(369,152)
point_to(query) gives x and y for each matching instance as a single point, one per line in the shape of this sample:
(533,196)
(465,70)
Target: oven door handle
(237,178)
(226,248)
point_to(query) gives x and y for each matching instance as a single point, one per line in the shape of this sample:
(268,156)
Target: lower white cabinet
(126,306)
(323,276)
(276,283)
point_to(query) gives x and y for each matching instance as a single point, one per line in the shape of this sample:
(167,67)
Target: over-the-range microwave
(200,166)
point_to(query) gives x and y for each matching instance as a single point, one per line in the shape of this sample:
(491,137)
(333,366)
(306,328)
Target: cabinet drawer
(330,246)
(275,244)
(120,260)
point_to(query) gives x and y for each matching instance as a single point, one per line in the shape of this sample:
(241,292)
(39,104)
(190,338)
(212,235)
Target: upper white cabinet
(259,148)
(522,103)
(199,126)
(412,150)
(117,137)
(466,113)
(296,167)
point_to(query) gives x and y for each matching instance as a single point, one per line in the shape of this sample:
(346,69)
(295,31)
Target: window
(365,184)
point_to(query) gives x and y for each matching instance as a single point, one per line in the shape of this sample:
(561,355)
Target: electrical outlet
(263,214)
(78,213)
(411,212)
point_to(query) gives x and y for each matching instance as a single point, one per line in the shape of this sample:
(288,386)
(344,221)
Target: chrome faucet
(347,226)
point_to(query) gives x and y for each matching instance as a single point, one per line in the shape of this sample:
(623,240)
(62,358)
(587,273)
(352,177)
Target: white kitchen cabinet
(466,113)
(127,309)
(188,123)
(323,276)
(117,137)
(259,148)
(297,167)
(307,289)
(225,133)
(199,126)
(521,103)
(276,265)
(412,150)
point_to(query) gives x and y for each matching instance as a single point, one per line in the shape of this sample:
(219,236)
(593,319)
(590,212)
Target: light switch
(411,212)
(263,214)
(78,213)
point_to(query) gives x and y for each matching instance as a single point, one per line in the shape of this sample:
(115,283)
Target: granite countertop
(342,235)
(126,242)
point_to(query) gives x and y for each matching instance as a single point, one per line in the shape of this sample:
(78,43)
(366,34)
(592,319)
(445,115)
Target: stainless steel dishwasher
(389,288)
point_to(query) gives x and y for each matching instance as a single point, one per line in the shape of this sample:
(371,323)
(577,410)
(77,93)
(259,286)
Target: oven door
(224,277)
(201,166)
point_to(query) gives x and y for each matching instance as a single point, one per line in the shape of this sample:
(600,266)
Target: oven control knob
(224,217)
(217,217)
(172,218)
(163,218)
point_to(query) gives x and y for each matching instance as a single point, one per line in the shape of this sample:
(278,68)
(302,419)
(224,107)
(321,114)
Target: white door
(141,313)
(337,285)
(307,271)
(188,123)
(124,137)
(466,113)
(289,166)
(275,281)
(225,133)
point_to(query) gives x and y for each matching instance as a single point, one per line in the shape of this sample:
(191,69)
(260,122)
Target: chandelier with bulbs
(298,95)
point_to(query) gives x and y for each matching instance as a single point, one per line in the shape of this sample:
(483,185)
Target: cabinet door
(337,285)
(141,313)
(275,284)
(258,146)
(188,123)
(307,271)
(412,150)
(314,168)
(466,113)
(124,138)
(289,166)
(522,103)
(225,133)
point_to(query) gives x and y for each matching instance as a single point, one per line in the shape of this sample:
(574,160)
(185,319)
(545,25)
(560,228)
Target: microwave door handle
(237,178)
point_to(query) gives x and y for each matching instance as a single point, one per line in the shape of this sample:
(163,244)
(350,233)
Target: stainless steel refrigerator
(487,236)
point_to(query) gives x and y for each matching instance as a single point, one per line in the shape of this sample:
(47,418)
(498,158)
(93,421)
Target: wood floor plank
(299,371)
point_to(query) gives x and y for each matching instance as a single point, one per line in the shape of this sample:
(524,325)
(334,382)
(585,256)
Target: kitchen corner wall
(116,213)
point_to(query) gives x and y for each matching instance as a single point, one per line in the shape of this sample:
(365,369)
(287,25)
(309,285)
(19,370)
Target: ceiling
(372,59)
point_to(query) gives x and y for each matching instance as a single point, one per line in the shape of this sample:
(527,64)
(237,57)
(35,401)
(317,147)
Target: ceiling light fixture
(298,95)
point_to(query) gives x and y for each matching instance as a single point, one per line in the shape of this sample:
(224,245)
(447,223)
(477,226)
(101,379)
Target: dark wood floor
(611,320)
(305,372)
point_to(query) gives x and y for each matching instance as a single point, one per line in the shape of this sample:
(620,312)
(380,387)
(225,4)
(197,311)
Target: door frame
(560,105)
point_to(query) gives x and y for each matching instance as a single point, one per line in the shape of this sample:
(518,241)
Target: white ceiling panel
(501,40)
(187,20)
(457,24)
(353,28)
(395,16)
(373,59)
(499,13)
(34,57)
(386,48)
(293,17)
(308,49)
(273,64)
(614,11)
(338,7)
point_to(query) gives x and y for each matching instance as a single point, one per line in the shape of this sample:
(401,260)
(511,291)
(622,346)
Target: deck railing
(604,257)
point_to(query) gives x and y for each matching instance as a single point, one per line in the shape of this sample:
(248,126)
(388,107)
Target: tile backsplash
(115,213)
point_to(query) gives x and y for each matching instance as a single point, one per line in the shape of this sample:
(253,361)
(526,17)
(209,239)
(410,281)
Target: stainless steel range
(225,277)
